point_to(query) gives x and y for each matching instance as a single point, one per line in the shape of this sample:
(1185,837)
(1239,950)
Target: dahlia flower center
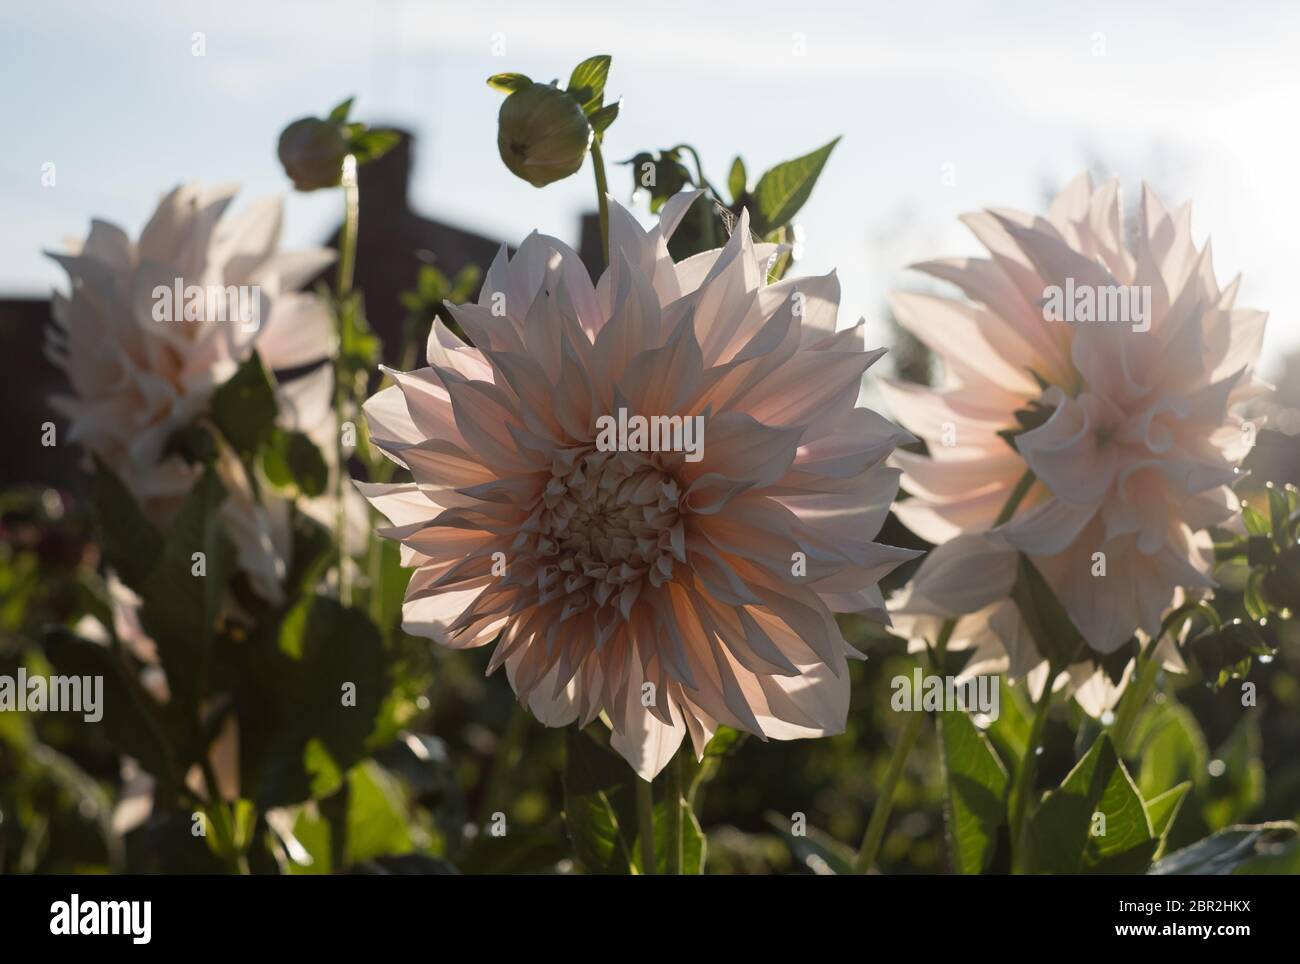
(606,523)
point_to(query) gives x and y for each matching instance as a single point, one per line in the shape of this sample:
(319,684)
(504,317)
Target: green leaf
(1128,845)
(1162,810)
(975,801)
(591,774)
(602,118)
(130,542)
(662,175)
(1009,733)
(129,714)
(1228,851)
(737,180)
(292,461)
(594,831)
(694,846)
(182,594)
(783,190)
(508,83)
(1279,514)
(1064,836)
(725,741)
(300,733)
(370,145)
(1170,747)
(587,82)
(1048,623)
(1256,524)
(376,815)
(244,408)
(339,115)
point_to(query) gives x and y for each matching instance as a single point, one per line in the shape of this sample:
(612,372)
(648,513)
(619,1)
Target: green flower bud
(312,152)
(542,134)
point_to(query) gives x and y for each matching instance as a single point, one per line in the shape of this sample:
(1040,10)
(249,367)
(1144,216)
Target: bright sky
(1198,98)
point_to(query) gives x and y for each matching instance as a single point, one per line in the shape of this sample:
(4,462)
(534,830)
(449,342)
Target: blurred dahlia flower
(138,374)
(1127,426)
(669,595)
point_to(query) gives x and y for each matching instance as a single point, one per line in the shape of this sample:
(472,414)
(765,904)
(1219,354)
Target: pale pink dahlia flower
(670,595)
(1131,433)
(136,380)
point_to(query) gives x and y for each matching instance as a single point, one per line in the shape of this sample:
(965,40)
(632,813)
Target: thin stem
(1015,498)
(1025,773)
(875,833)
(673,808)
(645,815)
(506,758)
(701,180)
(348,233)
(602,197)
(334,809)
(342,297)
(375,577)
(941,642)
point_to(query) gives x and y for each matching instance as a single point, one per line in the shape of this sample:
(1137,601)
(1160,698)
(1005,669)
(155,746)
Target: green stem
(701,180)
(374,576)
(602,197)
(348,233)
(342,295)
(1023,788)
(1017,495)
(508,751)
(875,833)
(334,809)
(673,808)
(645,815)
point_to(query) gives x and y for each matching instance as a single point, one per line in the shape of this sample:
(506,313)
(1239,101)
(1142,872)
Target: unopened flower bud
(542,134)
(312,152)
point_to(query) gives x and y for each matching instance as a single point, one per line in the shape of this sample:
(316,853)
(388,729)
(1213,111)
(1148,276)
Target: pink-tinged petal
(809,386)
(298,332)
(1046,529)
(970,337)
(963,576)
(737,446)
(1075,453)
(645,741)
